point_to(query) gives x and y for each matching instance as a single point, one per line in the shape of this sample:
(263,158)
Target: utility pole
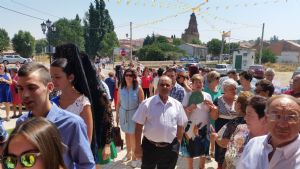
(222,48)
(261,42)
(130,42)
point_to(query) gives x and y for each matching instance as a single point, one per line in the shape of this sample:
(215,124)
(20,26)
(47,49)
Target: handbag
(116,133)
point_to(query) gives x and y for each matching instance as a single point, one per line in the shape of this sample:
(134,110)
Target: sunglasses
(128,75)
(26,160)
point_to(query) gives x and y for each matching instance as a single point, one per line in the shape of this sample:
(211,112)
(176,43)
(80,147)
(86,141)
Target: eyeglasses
(26,160)
(292,118)
(164,85)
(128,75)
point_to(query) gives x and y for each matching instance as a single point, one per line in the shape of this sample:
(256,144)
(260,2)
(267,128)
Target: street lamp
(47,28)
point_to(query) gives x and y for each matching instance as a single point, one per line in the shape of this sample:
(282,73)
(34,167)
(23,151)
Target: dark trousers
(146,92)
(219,151)
(160,157)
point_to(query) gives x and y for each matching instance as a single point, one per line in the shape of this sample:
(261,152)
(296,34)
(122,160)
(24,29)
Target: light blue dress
(129,104)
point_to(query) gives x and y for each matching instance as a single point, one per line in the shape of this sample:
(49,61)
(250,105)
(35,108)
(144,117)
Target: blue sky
(243,17)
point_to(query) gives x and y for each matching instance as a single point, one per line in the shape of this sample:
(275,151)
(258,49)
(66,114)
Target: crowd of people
(164,112)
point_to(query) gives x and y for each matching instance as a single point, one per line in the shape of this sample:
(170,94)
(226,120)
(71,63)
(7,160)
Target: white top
(160,120)
(77,106)
(199,115)
(255,155)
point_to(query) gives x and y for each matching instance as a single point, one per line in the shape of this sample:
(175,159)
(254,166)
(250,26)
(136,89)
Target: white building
(243,58)
(196,51)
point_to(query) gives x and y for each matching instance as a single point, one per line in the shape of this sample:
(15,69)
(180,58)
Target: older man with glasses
(281,147)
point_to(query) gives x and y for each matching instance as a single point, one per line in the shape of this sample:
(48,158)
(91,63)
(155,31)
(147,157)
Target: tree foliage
(109,42)
(267,56)
(196,41)
(214,47)
(67,31)
(4,40)
(40,46)
(159,48)
(96,24)
(177,41)
(274,39)
(231,47)
(24,43)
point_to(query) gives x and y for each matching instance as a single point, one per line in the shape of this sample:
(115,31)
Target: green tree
(274,39)
(109,42)
(177,41)
(161,39)
(214,47)
(151,53)
(67,31)
(267,56)
(231,46)
(4,40)
(196,41)
(40,46)
(24,43)
(147,41)
(96,24)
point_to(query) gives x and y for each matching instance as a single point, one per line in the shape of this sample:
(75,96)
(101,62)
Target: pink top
(146,81)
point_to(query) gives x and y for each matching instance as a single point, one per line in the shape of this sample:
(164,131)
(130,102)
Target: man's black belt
(158,144)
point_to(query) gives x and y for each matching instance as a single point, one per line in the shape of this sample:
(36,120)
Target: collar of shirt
(287,150)
(158,100)
(52,114)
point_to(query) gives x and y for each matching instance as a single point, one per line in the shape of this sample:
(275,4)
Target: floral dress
(236,146)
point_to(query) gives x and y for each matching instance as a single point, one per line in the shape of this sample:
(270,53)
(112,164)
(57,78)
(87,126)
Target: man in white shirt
(279,149)
(163,118)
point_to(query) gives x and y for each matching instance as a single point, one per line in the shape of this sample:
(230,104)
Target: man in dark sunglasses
(34,87)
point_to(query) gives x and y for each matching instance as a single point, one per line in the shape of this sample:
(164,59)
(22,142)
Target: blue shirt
(177,92)
(74,135)
(111,83)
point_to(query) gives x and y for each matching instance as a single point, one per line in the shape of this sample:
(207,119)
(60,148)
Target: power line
(37,10)
(22,13)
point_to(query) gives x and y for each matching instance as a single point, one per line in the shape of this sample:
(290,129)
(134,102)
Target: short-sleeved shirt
(160,119)
(255,155)
(146,81)
(177,92)
(201,113)
(73,132)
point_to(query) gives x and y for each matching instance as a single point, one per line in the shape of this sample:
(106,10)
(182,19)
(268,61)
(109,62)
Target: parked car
(9,59)
(223,68)
(258,71)
(186,66)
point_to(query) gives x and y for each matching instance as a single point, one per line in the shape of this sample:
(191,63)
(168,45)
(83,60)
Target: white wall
(288,57)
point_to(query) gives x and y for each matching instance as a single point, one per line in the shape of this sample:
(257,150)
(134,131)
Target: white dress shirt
(255,155)
(160,120)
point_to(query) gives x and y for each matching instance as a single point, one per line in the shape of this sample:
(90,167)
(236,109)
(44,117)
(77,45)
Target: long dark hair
(134,78)
(91,87)
(119,74)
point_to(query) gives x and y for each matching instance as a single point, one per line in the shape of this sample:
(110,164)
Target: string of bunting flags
(200,9)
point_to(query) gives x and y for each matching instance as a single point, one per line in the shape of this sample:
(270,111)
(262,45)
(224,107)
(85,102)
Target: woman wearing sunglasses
(35,144)
(131,95)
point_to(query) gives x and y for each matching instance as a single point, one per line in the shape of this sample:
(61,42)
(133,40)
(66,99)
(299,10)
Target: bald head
(164,86)
(164,78)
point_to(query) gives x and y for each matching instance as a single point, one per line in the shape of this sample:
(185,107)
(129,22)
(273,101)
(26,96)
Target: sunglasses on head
(26,160)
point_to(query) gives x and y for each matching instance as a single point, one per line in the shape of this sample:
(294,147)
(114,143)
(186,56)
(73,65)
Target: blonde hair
(213,75)
(197,77)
